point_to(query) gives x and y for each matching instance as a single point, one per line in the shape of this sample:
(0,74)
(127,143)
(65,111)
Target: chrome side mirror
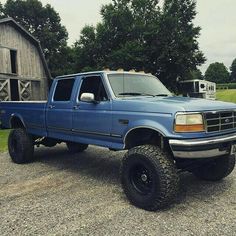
(87,97)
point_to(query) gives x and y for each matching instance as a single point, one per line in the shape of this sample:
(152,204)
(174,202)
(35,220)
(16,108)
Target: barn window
(13,61)
(8,61)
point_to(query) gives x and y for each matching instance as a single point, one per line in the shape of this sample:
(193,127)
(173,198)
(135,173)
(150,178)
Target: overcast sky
(217,19)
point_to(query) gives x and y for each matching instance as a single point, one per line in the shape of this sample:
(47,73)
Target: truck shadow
(103,165)
(98,163)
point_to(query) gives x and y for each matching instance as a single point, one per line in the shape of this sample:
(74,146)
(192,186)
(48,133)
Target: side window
(63,90)
(94,85)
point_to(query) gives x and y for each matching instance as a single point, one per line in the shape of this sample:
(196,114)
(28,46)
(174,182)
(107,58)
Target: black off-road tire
(20,146)
(159,180)
(216,169)
(76,147)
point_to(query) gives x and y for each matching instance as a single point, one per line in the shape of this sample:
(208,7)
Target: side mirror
(87,97)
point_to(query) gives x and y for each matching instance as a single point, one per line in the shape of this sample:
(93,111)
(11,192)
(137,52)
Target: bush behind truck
(163,134)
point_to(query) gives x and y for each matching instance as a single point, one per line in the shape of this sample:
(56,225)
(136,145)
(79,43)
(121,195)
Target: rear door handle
(76,107)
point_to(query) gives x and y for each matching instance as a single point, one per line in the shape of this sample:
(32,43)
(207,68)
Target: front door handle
(51,106)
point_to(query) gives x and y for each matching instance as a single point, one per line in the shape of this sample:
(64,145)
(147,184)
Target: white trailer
(198,89)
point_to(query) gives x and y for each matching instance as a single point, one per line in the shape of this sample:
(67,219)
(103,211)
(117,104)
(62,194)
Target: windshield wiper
(136,94)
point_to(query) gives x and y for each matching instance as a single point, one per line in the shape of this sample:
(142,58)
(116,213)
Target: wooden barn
(24,73)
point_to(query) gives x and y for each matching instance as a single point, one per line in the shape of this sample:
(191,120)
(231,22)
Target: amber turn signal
(189,128)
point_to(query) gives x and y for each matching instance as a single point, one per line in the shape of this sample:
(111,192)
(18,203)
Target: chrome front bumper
(202,148)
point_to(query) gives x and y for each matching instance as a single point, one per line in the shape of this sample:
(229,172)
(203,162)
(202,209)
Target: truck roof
(101,72)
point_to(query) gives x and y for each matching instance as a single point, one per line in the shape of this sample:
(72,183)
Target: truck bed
(31,113)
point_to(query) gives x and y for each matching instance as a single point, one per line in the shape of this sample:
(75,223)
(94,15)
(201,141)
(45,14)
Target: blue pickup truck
(164,134)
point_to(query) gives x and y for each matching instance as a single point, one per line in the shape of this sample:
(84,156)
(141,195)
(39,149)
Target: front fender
(153,125)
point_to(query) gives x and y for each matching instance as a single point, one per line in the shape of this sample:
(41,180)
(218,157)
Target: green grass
(228,95)
(3,140)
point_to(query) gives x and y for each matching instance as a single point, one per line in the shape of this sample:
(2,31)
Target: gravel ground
(62,194)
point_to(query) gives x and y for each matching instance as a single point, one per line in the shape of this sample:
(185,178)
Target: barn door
(5,60)
(25,90)
(5,93)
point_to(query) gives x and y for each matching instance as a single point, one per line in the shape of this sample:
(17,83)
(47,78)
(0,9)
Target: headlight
(189,123)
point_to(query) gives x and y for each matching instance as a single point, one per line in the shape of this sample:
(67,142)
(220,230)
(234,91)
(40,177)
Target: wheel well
(141,136)
(16,122)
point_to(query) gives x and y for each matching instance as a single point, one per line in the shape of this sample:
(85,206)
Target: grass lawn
(228,95)
(3,140)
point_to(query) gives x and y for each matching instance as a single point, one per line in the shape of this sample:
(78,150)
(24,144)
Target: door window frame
(72,91)
(82,78)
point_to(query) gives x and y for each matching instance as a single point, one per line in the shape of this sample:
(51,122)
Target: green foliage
(179,51)
(194,74)
(44,23)
(233,71)
(217,72)
(226,86)
(138,34)
(228,95)
(1,11)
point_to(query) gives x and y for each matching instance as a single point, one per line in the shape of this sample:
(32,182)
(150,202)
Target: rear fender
(16,118)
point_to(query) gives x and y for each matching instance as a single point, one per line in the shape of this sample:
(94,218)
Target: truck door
(59,111)
(92,120)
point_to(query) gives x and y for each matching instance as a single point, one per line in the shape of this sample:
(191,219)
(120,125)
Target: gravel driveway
(62,194)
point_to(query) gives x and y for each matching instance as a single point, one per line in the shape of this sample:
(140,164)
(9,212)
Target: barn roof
(30,37)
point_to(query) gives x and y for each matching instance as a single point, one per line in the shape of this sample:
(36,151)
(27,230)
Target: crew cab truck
(163,134)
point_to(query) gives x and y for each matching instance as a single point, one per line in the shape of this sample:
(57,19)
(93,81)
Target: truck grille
(218,121)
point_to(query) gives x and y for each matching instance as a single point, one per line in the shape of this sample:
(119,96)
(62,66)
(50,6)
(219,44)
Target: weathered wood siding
(29,64)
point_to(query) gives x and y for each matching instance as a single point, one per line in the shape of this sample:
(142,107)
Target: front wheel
(216,169)
(149,177)
(20,146)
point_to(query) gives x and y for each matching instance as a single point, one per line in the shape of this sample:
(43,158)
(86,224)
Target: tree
(138,34)
(217,72)
(233,71)
(1,11)
(179,54)
(194,74)
(85,50)
(44,23)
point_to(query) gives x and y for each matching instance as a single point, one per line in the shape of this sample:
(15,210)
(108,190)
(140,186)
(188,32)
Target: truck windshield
(137,85)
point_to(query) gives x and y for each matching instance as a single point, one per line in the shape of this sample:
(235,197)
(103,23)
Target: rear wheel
(20,146)
(76,147)
(216,169)
(149,177)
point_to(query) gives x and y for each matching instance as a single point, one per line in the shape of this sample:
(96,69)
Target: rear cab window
(63,90)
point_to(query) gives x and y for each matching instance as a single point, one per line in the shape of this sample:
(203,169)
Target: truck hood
(171,104)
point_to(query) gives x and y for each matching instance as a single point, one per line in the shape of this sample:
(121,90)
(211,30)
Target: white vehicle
(198,89)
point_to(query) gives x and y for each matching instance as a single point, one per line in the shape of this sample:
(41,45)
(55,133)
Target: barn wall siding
(28,61)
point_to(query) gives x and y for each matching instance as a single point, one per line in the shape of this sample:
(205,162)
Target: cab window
(93,84)
(64,90)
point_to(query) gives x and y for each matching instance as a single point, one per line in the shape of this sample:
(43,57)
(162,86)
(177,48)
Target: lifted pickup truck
(163,134)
